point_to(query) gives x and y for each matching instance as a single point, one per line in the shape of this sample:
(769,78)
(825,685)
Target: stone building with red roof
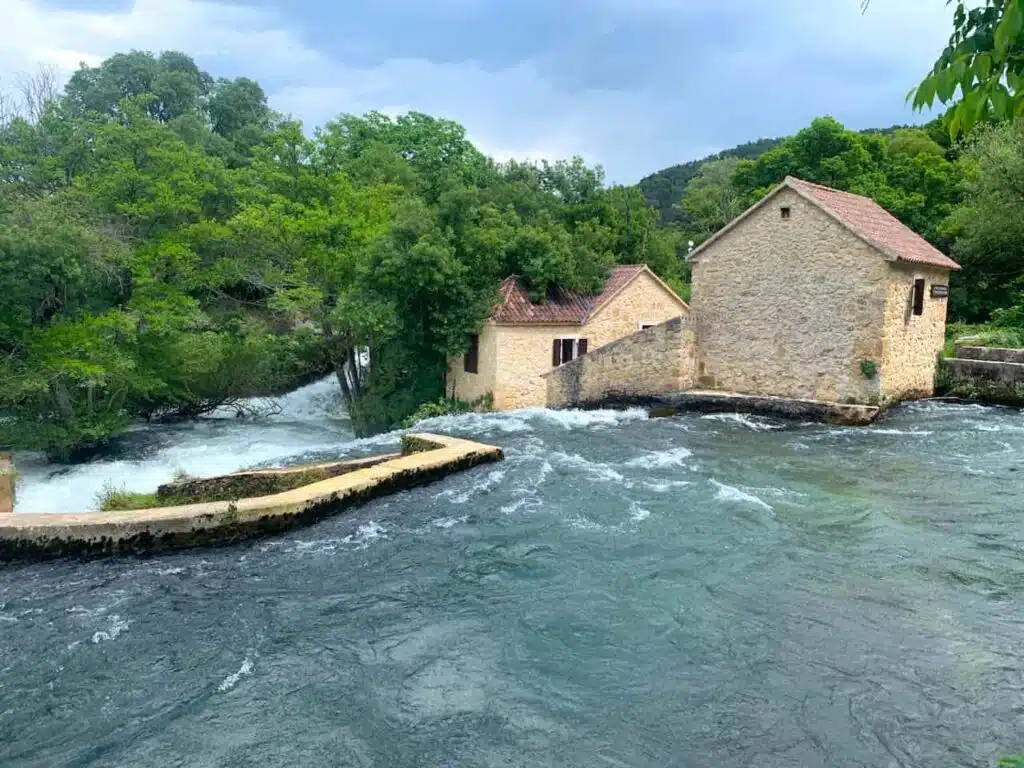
(522,340)
(814,293)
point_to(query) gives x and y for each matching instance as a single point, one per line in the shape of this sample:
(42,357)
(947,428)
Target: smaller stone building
(523,340)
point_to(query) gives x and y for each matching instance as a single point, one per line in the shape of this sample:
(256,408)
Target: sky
(635,85)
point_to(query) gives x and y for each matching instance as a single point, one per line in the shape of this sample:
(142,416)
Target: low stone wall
(148,530)
(653,361)
(714,401)
(261,482)
(990,381)
(993,354)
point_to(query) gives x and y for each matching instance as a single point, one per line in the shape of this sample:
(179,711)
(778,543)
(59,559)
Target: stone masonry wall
(644,301)
(470,386)
(790,307)
(654,361)
(523,352)
(912,342)
(524,357)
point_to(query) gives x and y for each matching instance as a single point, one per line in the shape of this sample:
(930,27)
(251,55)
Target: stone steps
(990,354)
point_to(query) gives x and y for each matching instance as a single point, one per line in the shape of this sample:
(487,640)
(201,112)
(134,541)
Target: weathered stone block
(7,478)
(992,371)
(994,354)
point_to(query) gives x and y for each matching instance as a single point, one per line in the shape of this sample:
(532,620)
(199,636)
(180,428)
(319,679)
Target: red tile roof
(561,305)
(873,223)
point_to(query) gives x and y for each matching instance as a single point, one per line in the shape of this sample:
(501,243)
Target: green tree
(170,85)
(988,227)
(711,199)
(980,73)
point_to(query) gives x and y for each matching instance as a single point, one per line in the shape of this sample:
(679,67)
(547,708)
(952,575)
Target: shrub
(869,368)
(449,406)
(112,498)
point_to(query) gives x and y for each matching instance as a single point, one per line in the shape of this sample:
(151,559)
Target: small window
(471,361)
(566,350)
(784,210)
(645,326)
(919,296)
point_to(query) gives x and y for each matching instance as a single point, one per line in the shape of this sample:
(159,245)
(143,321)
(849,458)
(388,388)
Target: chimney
(6,483)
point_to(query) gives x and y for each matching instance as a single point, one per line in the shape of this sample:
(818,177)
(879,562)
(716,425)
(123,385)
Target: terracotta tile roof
(875,224)
(561,306)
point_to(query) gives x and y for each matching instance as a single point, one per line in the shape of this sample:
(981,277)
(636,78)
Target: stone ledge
(222,522)
(985,370)
(711,401)
(991,354)
(262,482)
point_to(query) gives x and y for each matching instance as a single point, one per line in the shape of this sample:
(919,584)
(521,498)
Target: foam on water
(116,626)
(207,447)
(751,422)
(492,479)
(449,522)
(673,457)
(229,682)
(598,471)
(308,422)
(731,493)
(664,486)
(638,513)
(367,532)
(527,419)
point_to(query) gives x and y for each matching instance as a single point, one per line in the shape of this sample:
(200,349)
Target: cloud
(258,40)
(633,84)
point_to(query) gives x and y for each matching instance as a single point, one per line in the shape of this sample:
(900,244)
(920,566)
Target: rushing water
(695,591)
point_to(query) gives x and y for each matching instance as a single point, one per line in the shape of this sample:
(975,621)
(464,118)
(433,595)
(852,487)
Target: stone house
(523,340)
(819,294)
(810,294)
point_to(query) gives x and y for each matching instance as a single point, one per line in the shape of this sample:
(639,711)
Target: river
(621,591)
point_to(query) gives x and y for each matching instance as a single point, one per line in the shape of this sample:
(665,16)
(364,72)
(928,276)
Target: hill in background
(664,188)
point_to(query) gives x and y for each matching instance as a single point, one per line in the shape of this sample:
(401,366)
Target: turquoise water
(696,591)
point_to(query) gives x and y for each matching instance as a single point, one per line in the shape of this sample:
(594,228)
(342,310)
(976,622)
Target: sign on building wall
(940,291)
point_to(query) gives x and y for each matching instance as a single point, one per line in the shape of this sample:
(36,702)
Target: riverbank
(424,458)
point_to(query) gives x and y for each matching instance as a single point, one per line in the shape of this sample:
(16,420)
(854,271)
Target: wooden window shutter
(556,353)
(582,350)
(471,361)
(919,296)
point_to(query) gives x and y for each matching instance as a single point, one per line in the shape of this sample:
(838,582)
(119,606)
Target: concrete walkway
(160,528)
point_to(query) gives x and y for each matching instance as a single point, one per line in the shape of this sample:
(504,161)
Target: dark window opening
(645,326)
(566,350)
(784,211)
(471,361)
(919,296)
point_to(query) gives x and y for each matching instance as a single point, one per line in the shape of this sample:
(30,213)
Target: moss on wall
(996,392)
(414,444)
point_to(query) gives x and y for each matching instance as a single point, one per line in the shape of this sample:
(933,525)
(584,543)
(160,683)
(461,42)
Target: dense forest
(170,245)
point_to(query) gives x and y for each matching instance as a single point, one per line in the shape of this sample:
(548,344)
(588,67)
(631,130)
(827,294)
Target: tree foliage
(980,73)
(169,245)
(989,229)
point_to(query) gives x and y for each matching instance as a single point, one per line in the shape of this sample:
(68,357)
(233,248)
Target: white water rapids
(310,420)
